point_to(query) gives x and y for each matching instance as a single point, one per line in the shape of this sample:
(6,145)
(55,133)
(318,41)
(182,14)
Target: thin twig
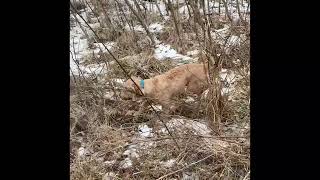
(188,136)
(246,176)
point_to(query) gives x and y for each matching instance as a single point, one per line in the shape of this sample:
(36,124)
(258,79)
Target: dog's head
(130,90)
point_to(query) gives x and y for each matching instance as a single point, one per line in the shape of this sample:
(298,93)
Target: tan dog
(190,77)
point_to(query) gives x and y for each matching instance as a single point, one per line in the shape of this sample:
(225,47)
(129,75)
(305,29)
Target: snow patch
(155,28)
(119,81)
(193,53)
(165,51)
(109,163)
(157,107)
(198,128)
(100,47)
(189,99)
(83,152)
(131,152)
(169,163)
(227,76)
(126,163)
(145,131)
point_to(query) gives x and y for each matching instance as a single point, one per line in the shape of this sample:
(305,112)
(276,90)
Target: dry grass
(104,129)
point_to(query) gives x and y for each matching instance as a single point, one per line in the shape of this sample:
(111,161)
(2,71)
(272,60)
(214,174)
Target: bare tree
(140,20)
(227,10)
(80,25)
(157,5)
(175,20)
(239,12)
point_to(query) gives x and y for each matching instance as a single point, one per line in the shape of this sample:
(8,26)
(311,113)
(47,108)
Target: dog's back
(188,70)
(190,77)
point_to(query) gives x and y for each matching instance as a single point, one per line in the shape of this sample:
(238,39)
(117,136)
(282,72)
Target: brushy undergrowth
(210,135)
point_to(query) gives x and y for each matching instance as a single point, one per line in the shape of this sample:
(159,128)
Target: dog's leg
(195,86)
(168,105)
(143,107)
